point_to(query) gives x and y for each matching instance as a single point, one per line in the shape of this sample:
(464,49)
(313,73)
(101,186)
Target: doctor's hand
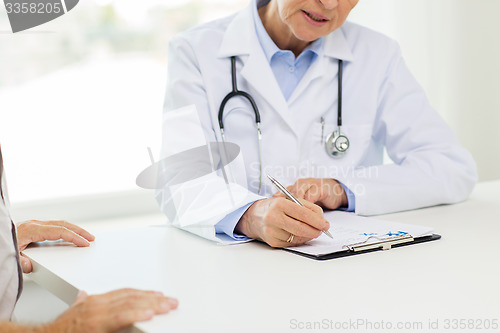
(38,231)
(275,220)
(325,192)
(110,312)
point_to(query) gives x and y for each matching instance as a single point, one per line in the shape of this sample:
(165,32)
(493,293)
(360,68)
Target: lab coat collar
(240,37)
(240,40)
(337,47)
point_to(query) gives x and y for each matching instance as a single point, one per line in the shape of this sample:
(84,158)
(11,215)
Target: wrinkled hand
(110,312)
(38,231)
(325,192)
(272,220)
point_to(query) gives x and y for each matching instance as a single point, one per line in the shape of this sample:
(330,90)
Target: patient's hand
(110,312)
(38,231)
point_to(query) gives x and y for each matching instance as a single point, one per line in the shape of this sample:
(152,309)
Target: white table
(253,288)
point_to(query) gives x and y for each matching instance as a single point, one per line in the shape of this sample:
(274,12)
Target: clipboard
(354,234)
(382,245)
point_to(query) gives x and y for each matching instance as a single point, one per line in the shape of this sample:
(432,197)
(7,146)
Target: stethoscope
(336,143)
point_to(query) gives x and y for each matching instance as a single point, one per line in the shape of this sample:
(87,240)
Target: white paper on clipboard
(348,229)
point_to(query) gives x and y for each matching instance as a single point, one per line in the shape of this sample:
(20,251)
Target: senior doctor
(311,74)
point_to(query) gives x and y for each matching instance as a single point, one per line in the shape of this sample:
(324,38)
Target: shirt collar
(269,47)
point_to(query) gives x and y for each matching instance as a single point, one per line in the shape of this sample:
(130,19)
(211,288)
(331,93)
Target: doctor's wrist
(244,226)
(344,201)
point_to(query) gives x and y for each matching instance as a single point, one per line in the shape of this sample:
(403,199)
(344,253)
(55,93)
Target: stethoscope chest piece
(337,144)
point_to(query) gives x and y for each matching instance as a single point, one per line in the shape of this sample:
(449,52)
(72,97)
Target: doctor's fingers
(308,204)
(301,186)
(300,230)
(82,232)
(277,237)
(281,228)
(311,189)
(32,232)
(311,214)
(312,206)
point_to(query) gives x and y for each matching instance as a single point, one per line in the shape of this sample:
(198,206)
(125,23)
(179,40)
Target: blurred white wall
(453,48)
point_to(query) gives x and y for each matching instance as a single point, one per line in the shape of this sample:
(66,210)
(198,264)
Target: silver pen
(289,195)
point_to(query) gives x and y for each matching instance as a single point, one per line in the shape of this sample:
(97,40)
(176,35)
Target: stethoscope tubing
(339,105)
(235,93)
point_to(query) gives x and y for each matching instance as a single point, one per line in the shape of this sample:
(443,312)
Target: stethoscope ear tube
(234,93)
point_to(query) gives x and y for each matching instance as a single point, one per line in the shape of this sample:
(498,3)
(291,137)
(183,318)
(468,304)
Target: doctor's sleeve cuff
(228,223)
(351,200)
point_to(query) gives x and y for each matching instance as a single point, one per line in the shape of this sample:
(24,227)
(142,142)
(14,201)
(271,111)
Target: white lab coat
(383,106)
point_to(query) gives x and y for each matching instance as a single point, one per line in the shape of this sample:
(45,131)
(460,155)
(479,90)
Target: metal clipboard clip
(384,244)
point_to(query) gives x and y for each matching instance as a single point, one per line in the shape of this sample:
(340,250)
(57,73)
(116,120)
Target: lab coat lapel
(320,67)
(260,77)
(241,40)
(335,47)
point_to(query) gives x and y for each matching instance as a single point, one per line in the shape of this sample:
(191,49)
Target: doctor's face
(310,19)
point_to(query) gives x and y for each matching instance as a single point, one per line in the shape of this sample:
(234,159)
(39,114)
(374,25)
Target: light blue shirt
(288,72)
